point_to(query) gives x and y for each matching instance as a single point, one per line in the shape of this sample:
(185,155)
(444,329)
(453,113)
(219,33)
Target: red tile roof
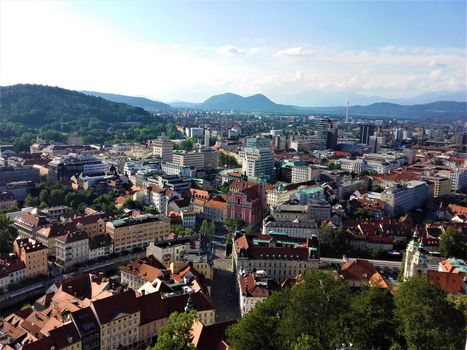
(249,287)
(457,209)
(216,204)
(362,271)
(212,337)
(448,281)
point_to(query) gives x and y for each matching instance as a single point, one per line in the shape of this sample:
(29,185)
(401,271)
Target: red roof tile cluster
(212,337)
(200,193)
(10,264)
(250,288)
(448,281)
(380,230)
(456,209)
(221,205)
(362,271)
(245,247)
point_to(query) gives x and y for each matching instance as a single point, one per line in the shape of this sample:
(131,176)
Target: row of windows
(274,264)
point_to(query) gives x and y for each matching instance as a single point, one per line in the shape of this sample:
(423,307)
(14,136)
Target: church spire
(189,305)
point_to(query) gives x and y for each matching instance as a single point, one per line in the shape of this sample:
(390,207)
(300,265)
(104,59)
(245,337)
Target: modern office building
(406,197)
(201,159)
(366,131)
(441,185)
(176,169)
(326,134)
(66,167)
(18,173)
(163,148)
(301,173)
(398,134)
(194,132)
(257,158)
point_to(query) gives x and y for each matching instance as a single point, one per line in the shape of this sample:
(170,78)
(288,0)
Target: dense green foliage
(142,102)
(208,228)
(459,302)
(234,224)
(322,311)
(225,187)
(427,320)
(361,213)
(332,241)
(370,322)
(181,231)
(452,244)
(186,145)
(224,160)
(8,234)
(30,111)
(47,194)
(176,334)
(132,205)
(334,166)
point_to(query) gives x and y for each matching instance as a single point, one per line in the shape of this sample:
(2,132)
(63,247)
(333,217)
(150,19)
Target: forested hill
(147,104)
(37,105)
(27,111)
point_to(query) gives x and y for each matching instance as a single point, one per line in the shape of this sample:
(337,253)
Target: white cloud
(299,51)
(231,50)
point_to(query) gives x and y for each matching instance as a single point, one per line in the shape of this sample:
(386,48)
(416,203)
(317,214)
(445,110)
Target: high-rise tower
(347,112)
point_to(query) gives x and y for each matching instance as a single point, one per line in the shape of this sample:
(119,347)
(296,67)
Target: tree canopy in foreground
(322,311)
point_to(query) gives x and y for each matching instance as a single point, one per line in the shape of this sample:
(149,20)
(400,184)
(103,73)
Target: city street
(224,293)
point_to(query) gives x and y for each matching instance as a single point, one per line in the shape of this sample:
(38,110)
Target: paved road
(223,292)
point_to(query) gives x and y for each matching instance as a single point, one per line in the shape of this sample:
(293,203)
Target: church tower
(415,257)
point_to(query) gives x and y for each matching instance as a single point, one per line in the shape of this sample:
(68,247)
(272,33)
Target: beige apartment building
(200,159)
(119,320)
(139,231)
(163,148)
(34,256)
(441,185)
(93,224)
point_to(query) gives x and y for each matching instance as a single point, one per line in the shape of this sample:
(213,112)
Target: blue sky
(294,52)
(358,25)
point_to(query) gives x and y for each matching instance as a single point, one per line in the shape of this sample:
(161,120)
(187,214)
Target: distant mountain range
(38,96)
(147,104)
(260,103)
(340,98)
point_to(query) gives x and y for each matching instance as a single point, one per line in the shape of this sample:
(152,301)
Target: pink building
(247,201)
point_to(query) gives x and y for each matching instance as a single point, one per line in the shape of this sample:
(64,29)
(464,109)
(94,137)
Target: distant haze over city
(295,53)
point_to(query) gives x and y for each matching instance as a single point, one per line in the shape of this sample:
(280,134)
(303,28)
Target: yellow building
(34,255)
(119,320)
(139,231)
(441,185)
